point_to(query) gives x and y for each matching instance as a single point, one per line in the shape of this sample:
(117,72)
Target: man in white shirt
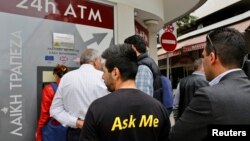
(77,90)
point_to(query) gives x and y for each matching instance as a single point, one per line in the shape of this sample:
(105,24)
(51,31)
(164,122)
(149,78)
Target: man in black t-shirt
(126,114)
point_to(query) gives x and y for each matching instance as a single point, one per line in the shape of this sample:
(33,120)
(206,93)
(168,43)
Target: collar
(217,79)
(88,66)
(198,73)
(142,56)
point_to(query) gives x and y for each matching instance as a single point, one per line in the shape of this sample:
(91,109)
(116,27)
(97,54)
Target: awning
(242,26)
(198,42)
(194,47)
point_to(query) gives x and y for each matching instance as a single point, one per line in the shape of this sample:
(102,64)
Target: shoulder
(144,73)
(99,73)
(211,92)
(200,79)
(229,89)
(69,74)
(121,95)
(144,68)
(165,79)
(99,102)
(194,79)
(108,100)
(48,87)
(147,61)
(48,91)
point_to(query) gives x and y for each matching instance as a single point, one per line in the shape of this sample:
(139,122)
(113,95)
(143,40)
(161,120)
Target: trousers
(73,134)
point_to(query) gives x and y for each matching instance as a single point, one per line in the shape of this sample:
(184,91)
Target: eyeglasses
(212,45)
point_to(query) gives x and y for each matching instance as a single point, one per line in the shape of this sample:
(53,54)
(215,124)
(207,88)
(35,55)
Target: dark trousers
(73,134)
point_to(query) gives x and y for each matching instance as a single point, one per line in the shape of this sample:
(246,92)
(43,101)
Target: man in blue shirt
(148,77)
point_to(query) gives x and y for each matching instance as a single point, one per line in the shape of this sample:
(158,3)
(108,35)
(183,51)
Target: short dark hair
(229,46)
(124,58)
(138,43)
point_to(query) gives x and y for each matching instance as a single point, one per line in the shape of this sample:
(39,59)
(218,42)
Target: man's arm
(144,80)
(57,110)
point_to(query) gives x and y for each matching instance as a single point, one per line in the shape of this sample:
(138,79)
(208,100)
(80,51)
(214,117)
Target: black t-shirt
(126,115)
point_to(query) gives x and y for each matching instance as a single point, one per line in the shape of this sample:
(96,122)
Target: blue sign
(49,58)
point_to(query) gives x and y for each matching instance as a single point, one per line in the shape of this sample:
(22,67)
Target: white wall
(125,22)
(152,6)
(211,6)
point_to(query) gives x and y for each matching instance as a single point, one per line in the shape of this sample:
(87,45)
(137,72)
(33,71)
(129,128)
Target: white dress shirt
(76,91)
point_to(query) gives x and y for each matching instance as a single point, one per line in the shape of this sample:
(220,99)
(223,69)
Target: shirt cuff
(72,122)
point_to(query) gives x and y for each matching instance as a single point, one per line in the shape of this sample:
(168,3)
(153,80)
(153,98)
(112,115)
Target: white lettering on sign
(49,7)
(82,10)
(164,41)
(95,16)
(16,112)
(70,11)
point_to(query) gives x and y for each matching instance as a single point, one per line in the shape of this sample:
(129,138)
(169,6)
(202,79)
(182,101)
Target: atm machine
(44,77)
(35,36)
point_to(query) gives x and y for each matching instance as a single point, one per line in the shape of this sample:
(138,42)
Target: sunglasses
(212,45)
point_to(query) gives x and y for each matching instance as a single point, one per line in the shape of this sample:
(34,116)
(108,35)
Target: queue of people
(121,99)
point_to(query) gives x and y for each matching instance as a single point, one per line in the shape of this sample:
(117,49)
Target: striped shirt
(144,80)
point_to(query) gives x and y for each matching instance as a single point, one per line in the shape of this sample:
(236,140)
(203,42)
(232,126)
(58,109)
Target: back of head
(60,70)
(198,64)
(138,43)
(124,58)
(229,46)
(88,56)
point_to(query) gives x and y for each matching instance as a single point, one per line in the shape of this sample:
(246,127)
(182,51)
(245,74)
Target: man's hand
(79,123)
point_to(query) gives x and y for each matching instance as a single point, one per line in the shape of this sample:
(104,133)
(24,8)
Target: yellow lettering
(125,123)
(117,124)
(145,121)
(156,121)
(131,122)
